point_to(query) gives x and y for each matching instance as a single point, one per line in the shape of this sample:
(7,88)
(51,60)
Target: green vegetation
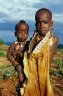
(1,42)
(7,71)
(3,53)
(57,69)
(60,50)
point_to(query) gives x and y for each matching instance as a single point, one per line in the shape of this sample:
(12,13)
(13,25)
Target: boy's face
(22,33)
(43,23)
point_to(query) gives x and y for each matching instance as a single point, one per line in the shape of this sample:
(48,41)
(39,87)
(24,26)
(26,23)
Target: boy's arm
(9,55)
(53,48)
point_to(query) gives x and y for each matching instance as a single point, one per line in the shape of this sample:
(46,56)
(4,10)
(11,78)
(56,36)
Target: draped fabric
(30,69)
(36,69)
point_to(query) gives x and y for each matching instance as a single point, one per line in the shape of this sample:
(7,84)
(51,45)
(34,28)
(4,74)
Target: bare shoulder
(55,40)
(55,43)
(53,47)
(11,46)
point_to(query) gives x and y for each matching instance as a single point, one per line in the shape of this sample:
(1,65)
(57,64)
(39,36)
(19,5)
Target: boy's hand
(28,54)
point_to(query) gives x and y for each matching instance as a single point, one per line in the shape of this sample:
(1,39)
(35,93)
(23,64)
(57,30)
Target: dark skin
(21,35)
(43,25)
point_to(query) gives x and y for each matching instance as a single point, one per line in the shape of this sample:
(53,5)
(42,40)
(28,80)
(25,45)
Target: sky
(12,11)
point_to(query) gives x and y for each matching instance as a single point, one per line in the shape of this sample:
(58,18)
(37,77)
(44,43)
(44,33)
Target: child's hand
(15,63)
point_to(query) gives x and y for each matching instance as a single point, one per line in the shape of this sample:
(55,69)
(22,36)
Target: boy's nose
(42,24)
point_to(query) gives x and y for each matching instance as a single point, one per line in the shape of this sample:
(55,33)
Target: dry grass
(4,61)
(4,47)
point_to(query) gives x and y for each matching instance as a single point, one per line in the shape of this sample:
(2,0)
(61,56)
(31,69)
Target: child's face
(44,23)
(22,33)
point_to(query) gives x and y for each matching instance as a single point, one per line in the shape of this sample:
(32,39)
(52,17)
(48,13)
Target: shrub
(3,53)
(1,41)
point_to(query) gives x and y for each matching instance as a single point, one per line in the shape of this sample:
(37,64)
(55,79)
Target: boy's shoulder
(55,39)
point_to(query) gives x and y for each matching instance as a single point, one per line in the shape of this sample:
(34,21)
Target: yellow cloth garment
(36,69)
(30,69)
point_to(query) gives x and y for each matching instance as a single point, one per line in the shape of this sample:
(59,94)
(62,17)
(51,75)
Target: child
(16,50)
(44,23)
(42,45)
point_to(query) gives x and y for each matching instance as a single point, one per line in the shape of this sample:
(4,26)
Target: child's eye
(20,31)
(26,32)
(45,22)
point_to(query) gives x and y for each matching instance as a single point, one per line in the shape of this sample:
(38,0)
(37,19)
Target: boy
(16,50)
(43,46)
(44,23)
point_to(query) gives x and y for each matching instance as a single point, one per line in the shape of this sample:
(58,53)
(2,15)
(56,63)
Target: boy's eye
(45,22)
(39,23)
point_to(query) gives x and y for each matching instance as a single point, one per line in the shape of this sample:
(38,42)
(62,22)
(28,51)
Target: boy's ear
(35,24)
(15,33)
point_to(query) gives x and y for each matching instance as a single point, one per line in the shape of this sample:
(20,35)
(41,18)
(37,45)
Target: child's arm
(9,55)
(17,65)
(53,48)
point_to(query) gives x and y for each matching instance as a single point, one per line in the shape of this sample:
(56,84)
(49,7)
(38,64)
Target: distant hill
(8,43)
(60,46)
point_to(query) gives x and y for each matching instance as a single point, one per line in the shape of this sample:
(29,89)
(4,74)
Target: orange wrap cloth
(36,69)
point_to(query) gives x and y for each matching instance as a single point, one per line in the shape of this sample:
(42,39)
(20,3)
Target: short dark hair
(41,10)
(19,24)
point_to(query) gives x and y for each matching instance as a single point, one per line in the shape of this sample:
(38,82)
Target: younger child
(16,49)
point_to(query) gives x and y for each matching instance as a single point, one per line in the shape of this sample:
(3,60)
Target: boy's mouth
(41,33)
